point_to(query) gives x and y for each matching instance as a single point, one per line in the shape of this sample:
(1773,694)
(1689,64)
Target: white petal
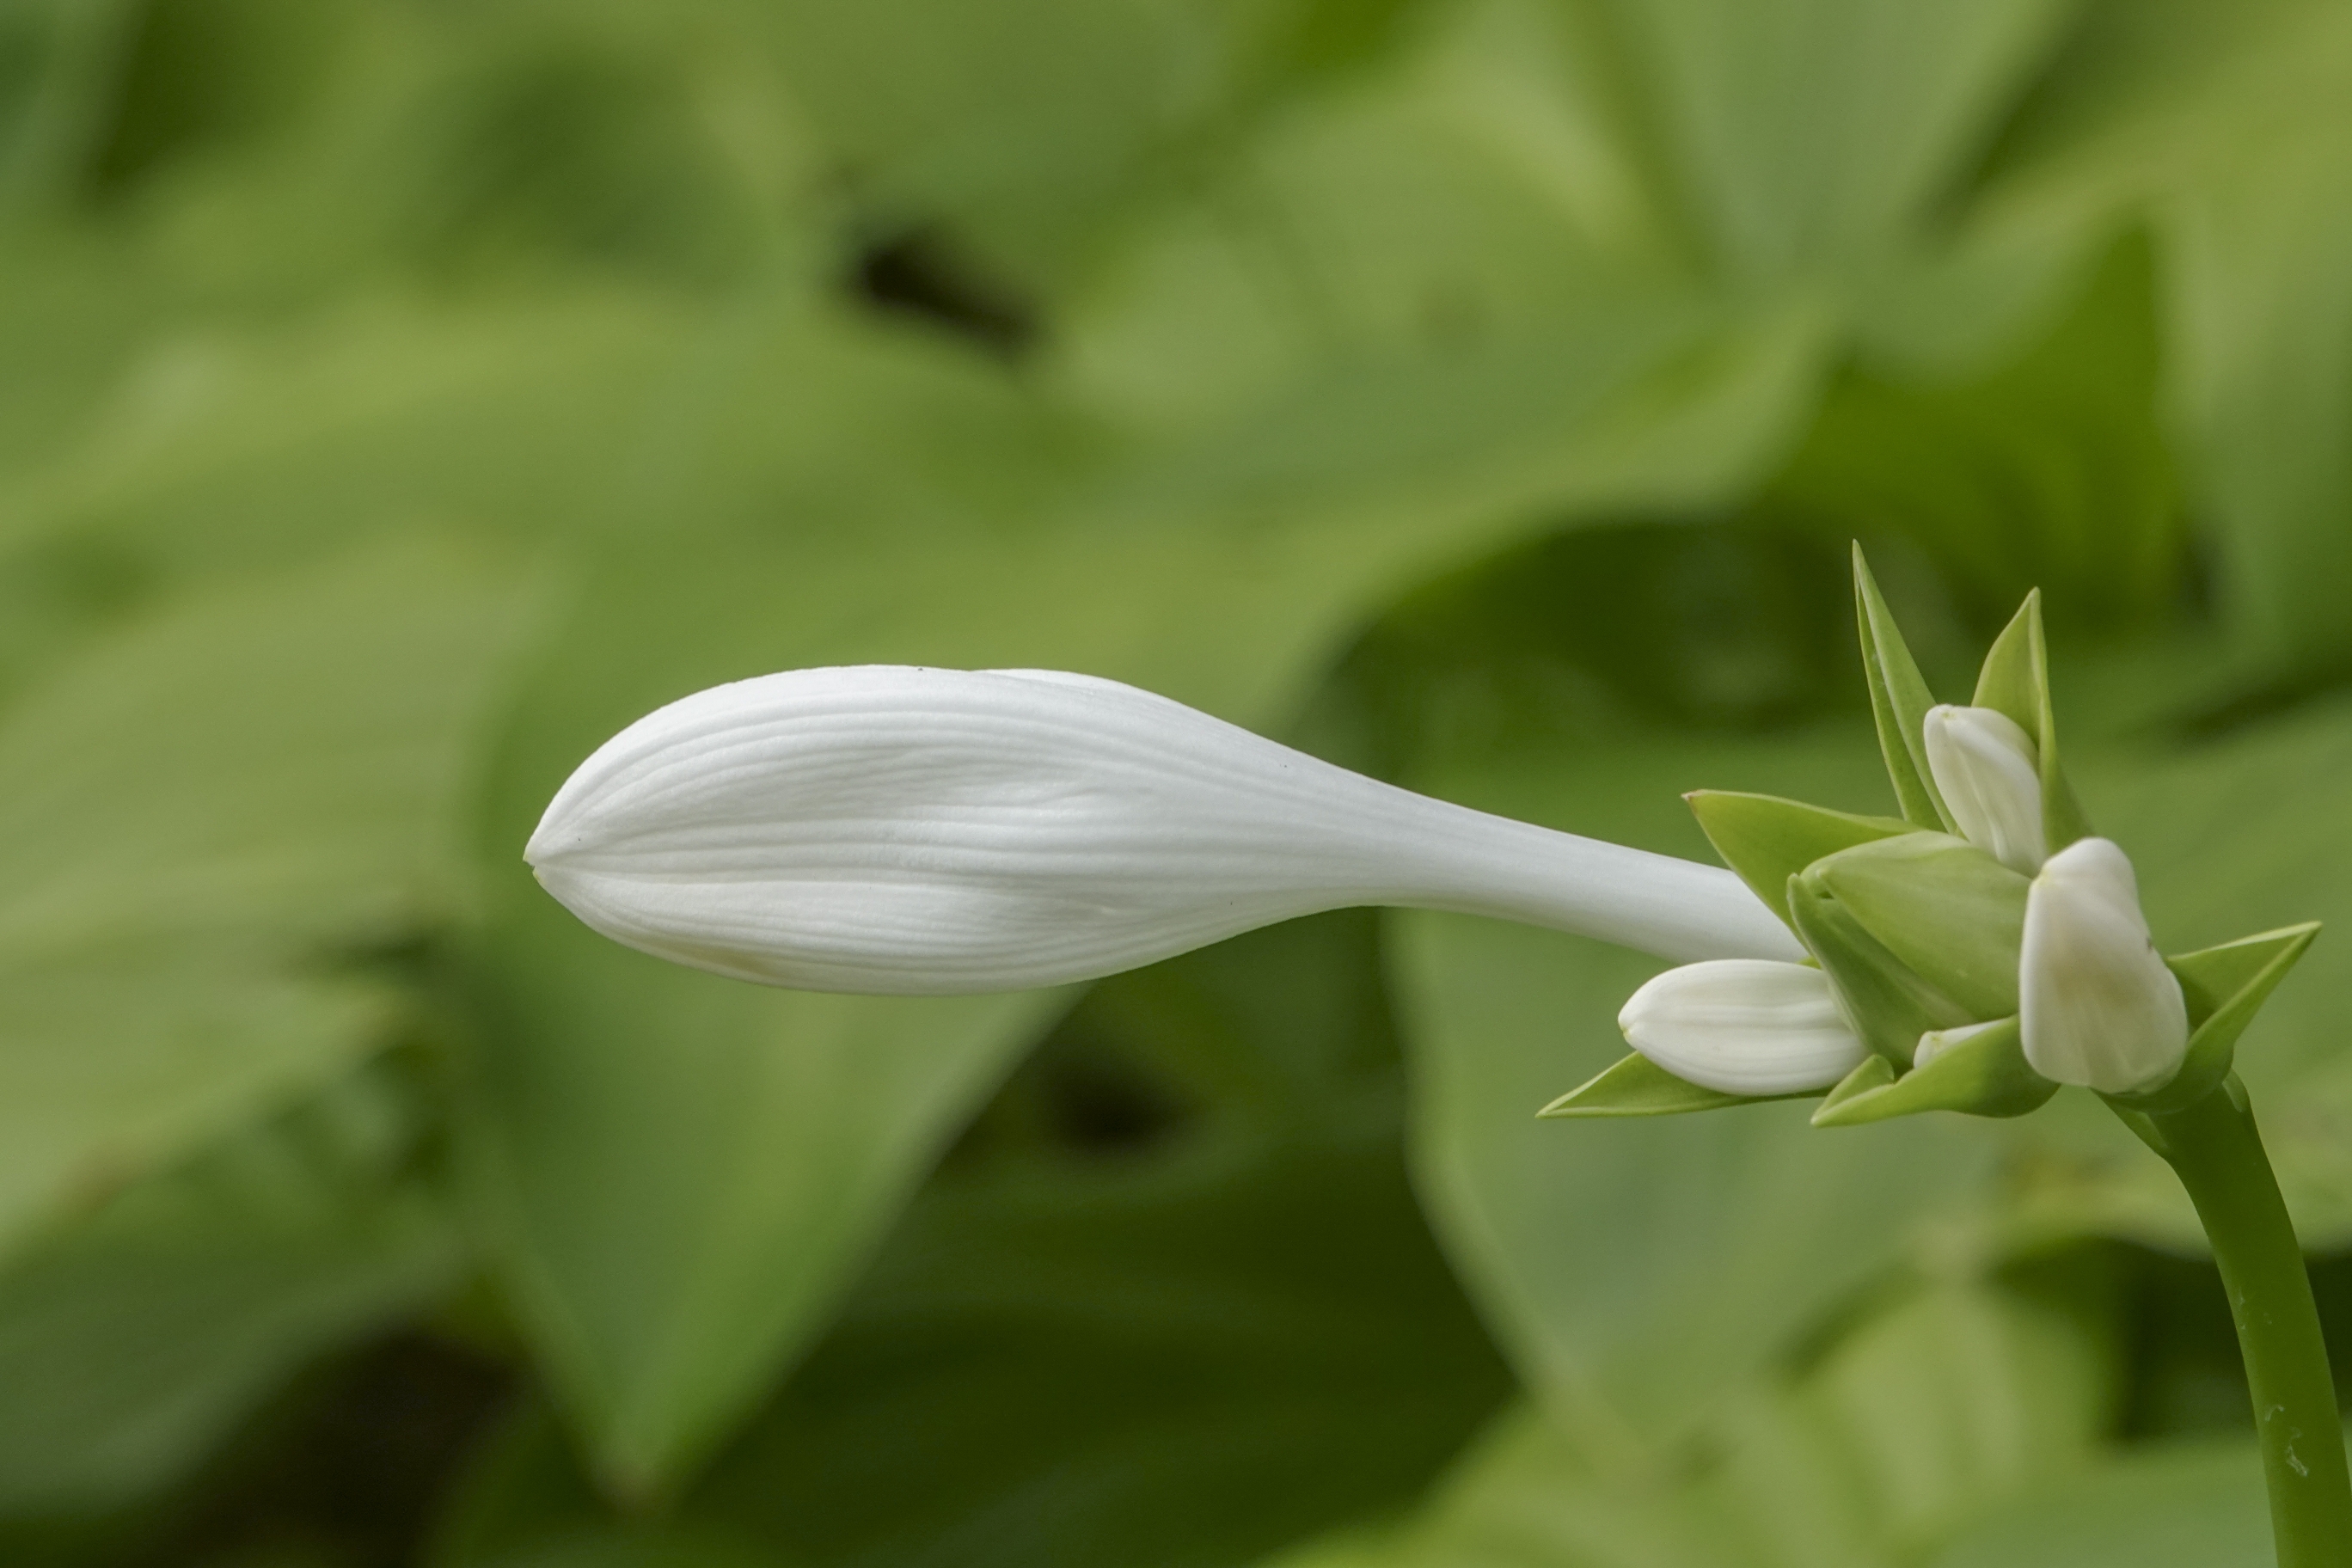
(2097,1005)
(893,829)
(1743,1025)
(1988,771)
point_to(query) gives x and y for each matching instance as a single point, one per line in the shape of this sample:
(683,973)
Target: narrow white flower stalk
(1743,1025)
(2097,1006)
(884,828)
(1988,771)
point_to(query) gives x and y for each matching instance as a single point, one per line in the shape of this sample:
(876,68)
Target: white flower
(890,829)
(2097,1005)
(1743,1025)
(1988,771)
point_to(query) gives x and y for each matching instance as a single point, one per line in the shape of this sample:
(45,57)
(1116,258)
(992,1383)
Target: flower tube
(895,829)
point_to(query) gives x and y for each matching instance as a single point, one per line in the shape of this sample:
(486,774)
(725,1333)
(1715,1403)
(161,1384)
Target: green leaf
(198,814)
(1639,1086)
(130,1343)
(1637,1270)
(1945,908)
(1813,138)
(1984,1075)
(2180,1505)
(1769,840)
(1172,1259)
(2040,459)
(742,1146)
(1926,1419)
(1899,701)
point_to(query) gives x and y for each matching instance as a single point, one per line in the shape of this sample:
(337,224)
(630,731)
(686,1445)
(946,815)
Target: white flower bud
(1936,1042)
(2097,1006)
(1988,772)
(1743,1025)
(934,831)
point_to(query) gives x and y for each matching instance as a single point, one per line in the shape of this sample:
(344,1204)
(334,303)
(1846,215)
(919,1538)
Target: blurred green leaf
(1636,1271)
(1176,1258)
(679,1173)
(130,1343)
(1022,125)
(2193,1505)
(1921,1421)
(59,57)
(199,817)
(1817,139)
(2227,124)
(2046,467)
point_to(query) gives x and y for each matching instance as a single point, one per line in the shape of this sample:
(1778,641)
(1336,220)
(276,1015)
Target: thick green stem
(2217,1152)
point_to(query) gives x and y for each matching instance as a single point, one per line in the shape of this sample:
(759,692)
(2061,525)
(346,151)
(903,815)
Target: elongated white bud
(1744,1026)
(884,828)
(2097,1005)
(1988,772)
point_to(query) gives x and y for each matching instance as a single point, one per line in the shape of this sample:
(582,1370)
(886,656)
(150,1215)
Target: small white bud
(2097,1006)
(1743,1025)
(884,828)
(1988,772)
(1936,1042)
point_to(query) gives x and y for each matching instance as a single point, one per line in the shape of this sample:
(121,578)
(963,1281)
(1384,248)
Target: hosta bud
(1985,766)
(1936,1042)
(1743,1026)
(893,829)
(2097,1005)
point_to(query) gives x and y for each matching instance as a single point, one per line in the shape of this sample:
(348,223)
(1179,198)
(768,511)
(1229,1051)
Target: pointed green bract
(1899,701)
(2012,680)
(1640,1086)
(2015,682)
(2224,986)
(1872,1075)
(1889,1005)
(1767,840)
(1947,910)
(1985,1075)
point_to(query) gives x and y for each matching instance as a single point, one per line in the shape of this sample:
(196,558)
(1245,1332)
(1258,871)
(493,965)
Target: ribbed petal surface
(884,828)
(1987,769)
(1743,1025)
(2097,1006)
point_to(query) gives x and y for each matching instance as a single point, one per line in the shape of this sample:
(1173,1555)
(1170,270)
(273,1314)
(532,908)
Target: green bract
(1919,931)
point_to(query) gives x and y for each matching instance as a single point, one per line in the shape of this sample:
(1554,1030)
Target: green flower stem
(2218,1153)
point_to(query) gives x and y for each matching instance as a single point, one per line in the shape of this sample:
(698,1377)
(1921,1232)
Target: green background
(398,396)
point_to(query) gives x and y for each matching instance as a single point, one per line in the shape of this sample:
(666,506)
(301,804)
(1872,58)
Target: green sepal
(1948,910)
(1899,701)
(1874,1073)
(1889,1005)
(1985,1075)
(2015,682)
(2224,987)
(1640,1086)
(1767,840)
